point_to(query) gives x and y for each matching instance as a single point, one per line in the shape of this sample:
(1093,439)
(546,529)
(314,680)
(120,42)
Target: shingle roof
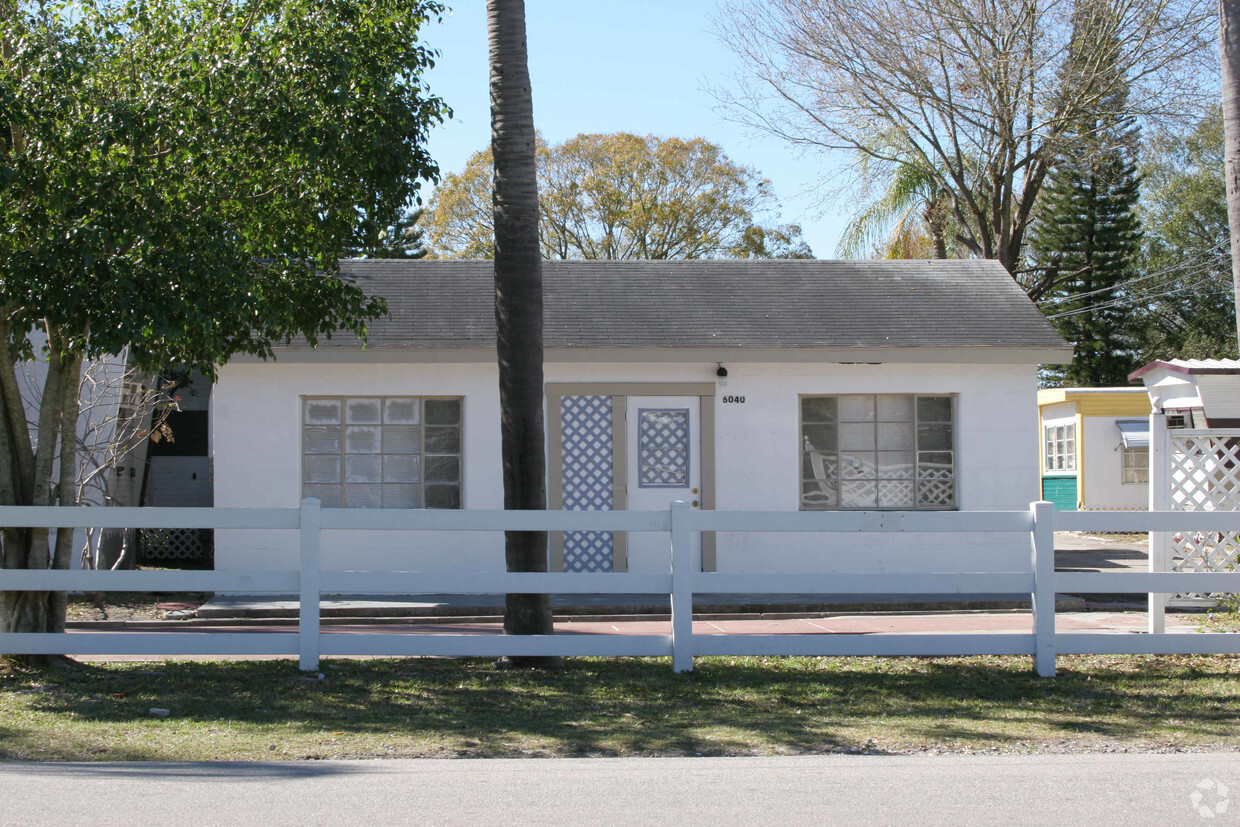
(712,304)
(1227,367)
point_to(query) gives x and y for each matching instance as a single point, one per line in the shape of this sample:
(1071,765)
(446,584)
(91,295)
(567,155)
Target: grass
(247,710)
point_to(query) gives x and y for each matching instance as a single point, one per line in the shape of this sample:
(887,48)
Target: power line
(1169,270)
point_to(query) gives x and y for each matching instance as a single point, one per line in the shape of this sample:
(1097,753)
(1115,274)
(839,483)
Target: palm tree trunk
(518,309)
(1229,55)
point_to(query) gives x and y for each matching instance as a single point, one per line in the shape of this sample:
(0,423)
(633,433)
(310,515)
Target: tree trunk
(518,311)
(1229,55)
(28,481)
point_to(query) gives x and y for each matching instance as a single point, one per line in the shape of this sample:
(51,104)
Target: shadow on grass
(726,706)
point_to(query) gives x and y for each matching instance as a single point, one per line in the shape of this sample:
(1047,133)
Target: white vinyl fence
(1039,580)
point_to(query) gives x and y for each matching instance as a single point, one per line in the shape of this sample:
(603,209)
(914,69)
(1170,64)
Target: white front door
(663,439)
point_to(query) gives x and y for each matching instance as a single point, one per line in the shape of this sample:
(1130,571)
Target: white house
(770,385)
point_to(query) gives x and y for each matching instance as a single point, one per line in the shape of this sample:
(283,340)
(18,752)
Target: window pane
(327,495)
(402,439)
(934,465)
(322,440)
(936,493)
(816,495)
(895,436)
(443,496)
(401,496)
(895,494)
(818,466)
(934,437)
(362,439)
(934,409)
(322,412)
(856,437)
(363,468)
(400,469)
(443,440)
(400,411)
(364,496)
(895,465)
(858,465)
(858,494)
(819,438)
(856,409)
(818,409)
(324,468)
(443,469)
(892,408)
(362,411)
(443,411)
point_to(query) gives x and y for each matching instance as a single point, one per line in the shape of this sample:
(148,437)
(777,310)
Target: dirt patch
(133,605)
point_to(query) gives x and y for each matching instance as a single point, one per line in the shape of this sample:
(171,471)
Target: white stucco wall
(1104,486)
(256,411)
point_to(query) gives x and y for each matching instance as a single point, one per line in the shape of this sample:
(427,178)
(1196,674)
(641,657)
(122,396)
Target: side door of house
(664,463)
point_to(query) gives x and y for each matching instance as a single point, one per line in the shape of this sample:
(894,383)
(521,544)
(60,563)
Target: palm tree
(914,210)
(1229,53)
(518,312)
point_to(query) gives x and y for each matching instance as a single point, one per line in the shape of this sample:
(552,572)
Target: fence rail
(1039,580)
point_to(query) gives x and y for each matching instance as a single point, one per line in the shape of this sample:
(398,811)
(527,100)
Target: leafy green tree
(179,178)
(616,196)
(518,313)
(1087,238)
(1184,297)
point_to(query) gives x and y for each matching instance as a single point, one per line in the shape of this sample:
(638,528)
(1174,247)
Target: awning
(1134,432)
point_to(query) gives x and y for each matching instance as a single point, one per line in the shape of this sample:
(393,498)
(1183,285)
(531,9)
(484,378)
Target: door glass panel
(663,448)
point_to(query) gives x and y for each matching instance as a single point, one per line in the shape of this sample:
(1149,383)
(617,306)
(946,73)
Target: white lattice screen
(1205,476)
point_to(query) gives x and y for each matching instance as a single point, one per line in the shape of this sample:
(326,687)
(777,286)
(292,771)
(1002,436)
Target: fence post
(308,610)
(1043,542)
(682,589)
(1160,500)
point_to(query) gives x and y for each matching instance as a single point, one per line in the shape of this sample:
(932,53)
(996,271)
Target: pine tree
(1087,235)
(398,237)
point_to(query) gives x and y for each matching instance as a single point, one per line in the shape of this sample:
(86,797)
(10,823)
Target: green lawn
(238,710)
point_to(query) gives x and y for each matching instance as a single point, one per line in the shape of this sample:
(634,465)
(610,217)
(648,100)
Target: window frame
(954,449)
(344,399)
(1070,438)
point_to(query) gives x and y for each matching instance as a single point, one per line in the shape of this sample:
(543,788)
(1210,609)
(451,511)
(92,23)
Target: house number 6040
(738,400)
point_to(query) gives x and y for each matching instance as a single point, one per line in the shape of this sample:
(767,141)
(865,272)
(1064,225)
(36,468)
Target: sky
(598,66)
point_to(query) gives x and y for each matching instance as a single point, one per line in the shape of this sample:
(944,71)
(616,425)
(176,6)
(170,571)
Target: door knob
(695,503)
(695,491)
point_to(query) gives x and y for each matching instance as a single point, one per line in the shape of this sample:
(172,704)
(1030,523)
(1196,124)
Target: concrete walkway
(1073,552)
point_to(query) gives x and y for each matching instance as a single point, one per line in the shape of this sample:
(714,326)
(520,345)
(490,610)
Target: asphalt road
(1181,789)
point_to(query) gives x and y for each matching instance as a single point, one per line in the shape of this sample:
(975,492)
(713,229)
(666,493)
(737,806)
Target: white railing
(1039,580)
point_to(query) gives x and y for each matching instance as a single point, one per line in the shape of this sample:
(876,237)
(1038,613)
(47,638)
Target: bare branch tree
(118,410)
(978,94)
